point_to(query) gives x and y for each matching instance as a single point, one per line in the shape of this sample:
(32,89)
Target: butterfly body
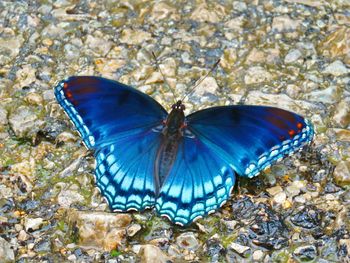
(184,167)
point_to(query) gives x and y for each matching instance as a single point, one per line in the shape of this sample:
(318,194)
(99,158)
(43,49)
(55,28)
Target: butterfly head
(178,106)
(176,119)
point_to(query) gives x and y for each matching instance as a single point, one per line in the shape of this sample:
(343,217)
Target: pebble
(280,198)
(6,252)
(292,56)
(258,255)
(187,241)
(274,190)
(207,86)
(134,37)
(285,24)
(337,68)
(32,224)
(152,254)
(305,253)
(342,173)
(24,121)
(22,235)
(133,229)
(329,95)
(98,44)
(100,230)
(3,116)
(241,250)
(341,116)
(70,196)
(256,75)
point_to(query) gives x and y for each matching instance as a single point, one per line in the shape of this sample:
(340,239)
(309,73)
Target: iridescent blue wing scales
(117,122)
(250,138)
(198,183)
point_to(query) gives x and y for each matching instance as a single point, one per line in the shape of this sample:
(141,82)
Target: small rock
(293,90)
(255,56)
(292,56)
(204,14)
(5,192)
(342,173)
(274,190)
(6,252)
(207,86)
(152,254)
(31,224)
(22,235)
(337,44)
(67,197)
(285,24)
(134,37)
(3,116)
(99,229)
(258,255)
(280,198)
(162,10)
(168,67)
(34,99)
(42,246)
(133,229)
(341,115)
(305,253)
(329,95)
(98,44)
(337,68)
(257,75)
(307,218)
(24,121)
(241,250)
(187,241)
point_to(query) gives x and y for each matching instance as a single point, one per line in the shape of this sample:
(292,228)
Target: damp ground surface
(293,54)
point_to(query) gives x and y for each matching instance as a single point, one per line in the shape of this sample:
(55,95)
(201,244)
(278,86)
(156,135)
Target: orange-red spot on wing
(291,133)
(65,85)
(299,125)
(69,94)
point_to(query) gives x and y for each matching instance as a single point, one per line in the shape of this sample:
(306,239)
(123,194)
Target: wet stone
(307,218)
(152,254)
(24,121)
(187,241)
(243,251)
(292,56)
(42,246)
(6,252)
(341,116)
(305,253)
(243,208)
(268,230)
(337,68)
(214,249)
(32,224)
(342,173)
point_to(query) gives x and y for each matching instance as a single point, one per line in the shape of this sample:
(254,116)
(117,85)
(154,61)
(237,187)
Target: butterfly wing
(118,123)
(198,183)
(250,138)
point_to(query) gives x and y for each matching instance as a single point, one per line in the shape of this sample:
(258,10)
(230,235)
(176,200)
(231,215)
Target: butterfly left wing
(198,183)
(118,122)
(250,138)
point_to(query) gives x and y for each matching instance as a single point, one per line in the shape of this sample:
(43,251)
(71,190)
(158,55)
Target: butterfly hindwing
(198,183)
(117,122)
(250,138)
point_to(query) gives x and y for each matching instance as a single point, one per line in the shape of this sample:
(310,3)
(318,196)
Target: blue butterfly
(184,166)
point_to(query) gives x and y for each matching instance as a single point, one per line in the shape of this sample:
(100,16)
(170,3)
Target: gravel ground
(294,54)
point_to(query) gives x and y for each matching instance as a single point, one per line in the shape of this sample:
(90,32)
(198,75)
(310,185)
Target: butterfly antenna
(164,78)
(199,81)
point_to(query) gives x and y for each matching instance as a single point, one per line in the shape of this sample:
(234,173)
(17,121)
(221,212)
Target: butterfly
(183,166)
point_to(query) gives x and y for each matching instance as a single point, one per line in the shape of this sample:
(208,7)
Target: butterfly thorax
(172,134)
